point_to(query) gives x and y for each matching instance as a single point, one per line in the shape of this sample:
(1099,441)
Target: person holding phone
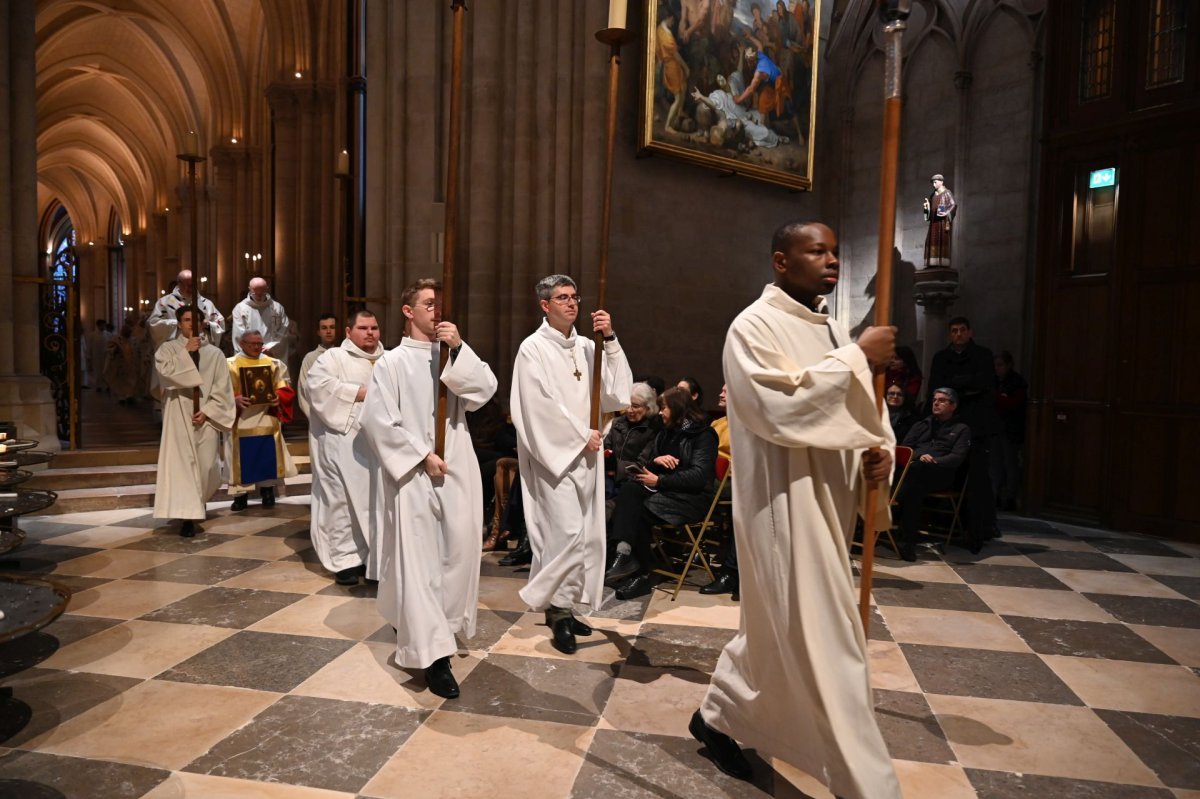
(674,486)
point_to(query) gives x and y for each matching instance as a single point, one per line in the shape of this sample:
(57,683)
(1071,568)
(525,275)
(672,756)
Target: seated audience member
(493,437)
(940,444)
(694,390)
(628,438)
(904,371)
(900,410)
(726,580)
(1011,389)
(654,381)
(675,487)
(512,525)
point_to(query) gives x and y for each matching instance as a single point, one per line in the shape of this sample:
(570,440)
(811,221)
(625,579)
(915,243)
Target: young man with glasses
(562,467)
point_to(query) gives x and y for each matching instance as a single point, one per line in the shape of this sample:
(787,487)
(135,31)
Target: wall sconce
(299,74)
(233,140)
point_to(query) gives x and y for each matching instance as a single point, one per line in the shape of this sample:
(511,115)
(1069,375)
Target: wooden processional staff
(450,245)
(614,36)
(894,14)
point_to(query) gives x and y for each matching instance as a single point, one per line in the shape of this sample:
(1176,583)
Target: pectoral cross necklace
(578,374)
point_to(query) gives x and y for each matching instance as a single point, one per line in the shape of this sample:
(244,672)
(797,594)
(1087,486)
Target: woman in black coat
(674,487)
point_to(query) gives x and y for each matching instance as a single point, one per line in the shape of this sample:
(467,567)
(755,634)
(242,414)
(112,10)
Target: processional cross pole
(894,14)
(191,156)
(615,35)
(450,241)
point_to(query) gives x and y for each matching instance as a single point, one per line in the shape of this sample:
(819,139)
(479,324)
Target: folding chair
(903,459)
(953,497)
(690,537)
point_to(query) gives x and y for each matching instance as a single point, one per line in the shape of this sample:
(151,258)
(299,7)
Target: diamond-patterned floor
(1061,662)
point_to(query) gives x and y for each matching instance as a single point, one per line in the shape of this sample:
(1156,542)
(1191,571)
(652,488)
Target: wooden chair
(691,537)
(953,502)
(903,459)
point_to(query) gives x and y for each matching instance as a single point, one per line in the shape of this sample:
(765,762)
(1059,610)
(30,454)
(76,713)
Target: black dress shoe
(268,497)
(239,503)
(637,586)
(188,529)
(563,636)
(726,583)
(908,551)
(723,750)
(623,567)
(521,556)
(350,576)
(441,680)
(580,628)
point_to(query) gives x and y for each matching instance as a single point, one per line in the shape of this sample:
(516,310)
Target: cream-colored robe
(190,461)
(793,682)
(302,384)
(563,486)
(344,487)
(267,317)
(428,547)
(257,420)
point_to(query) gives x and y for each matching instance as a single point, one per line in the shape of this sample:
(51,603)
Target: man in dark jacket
(940,444)
(967,368)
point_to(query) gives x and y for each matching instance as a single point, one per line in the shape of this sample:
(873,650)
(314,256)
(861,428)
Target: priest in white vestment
(258,455)
(793,683)
(433,506)
(258,311)
(162,321)
(562,467)
(190,373)
(343,496)
(326,338)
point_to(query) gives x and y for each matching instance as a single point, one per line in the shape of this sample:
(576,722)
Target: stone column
(24,394)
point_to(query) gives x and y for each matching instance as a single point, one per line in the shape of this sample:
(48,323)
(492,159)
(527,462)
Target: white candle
(616,13)
(191,145)
(343,163)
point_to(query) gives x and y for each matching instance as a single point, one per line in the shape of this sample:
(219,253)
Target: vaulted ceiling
(121,82)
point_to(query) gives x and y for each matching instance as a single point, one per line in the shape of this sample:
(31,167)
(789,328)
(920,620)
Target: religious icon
(940,209)
(257,384)
(732,84)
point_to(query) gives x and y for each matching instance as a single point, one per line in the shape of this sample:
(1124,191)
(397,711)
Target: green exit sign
(1102,178)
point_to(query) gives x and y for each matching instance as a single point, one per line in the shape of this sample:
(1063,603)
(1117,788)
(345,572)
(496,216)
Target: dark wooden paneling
(1075,460)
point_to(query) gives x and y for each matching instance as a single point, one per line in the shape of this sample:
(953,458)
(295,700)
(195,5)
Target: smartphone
(634,469)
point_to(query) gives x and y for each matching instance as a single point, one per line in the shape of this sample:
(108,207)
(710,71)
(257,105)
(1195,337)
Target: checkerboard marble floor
(1061,662)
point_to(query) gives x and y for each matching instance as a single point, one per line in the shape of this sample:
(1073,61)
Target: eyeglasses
(429,305)
(894,394)
(567,299)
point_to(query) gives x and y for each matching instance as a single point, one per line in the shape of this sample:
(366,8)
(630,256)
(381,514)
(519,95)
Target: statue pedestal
(934,289)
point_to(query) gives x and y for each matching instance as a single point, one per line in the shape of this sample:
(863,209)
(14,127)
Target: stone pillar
(24,394)
(961,186)
(934,290)
(302,263)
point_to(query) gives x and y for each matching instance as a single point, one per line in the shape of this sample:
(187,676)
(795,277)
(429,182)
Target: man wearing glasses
(940,444)
(562,468)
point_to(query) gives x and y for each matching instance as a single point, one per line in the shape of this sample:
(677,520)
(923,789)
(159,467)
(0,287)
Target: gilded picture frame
(764,54)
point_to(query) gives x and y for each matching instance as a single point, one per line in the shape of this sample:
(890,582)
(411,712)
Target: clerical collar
(358,352)
(412,343)
(778,298)
(566,342)
(264,304)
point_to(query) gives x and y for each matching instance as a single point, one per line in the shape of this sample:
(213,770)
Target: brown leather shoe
(496,541)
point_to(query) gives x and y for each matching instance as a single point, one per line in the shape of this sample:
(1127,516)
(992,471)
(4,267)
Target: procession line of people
(804,432)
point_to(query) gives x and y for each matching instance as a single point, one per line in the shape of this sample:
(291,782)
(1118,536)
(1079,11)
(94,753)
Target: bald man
(259,312)
(163,321)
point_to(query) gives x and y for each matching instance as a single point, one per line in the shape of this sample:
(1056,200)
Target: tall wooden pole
(192,158)
(453,156)
(894,13)
(614,38)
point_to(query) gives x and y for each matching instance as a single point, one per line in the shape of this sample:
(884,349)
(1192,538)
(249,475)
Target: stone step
(84,477)
(74,500)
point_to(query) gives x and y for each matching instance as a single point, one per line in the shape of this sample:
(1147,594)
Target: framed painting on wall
(732,85)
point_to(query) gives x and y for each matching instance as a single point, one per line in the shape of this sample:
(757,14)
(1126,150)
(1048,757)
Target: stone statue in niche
(939,213)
